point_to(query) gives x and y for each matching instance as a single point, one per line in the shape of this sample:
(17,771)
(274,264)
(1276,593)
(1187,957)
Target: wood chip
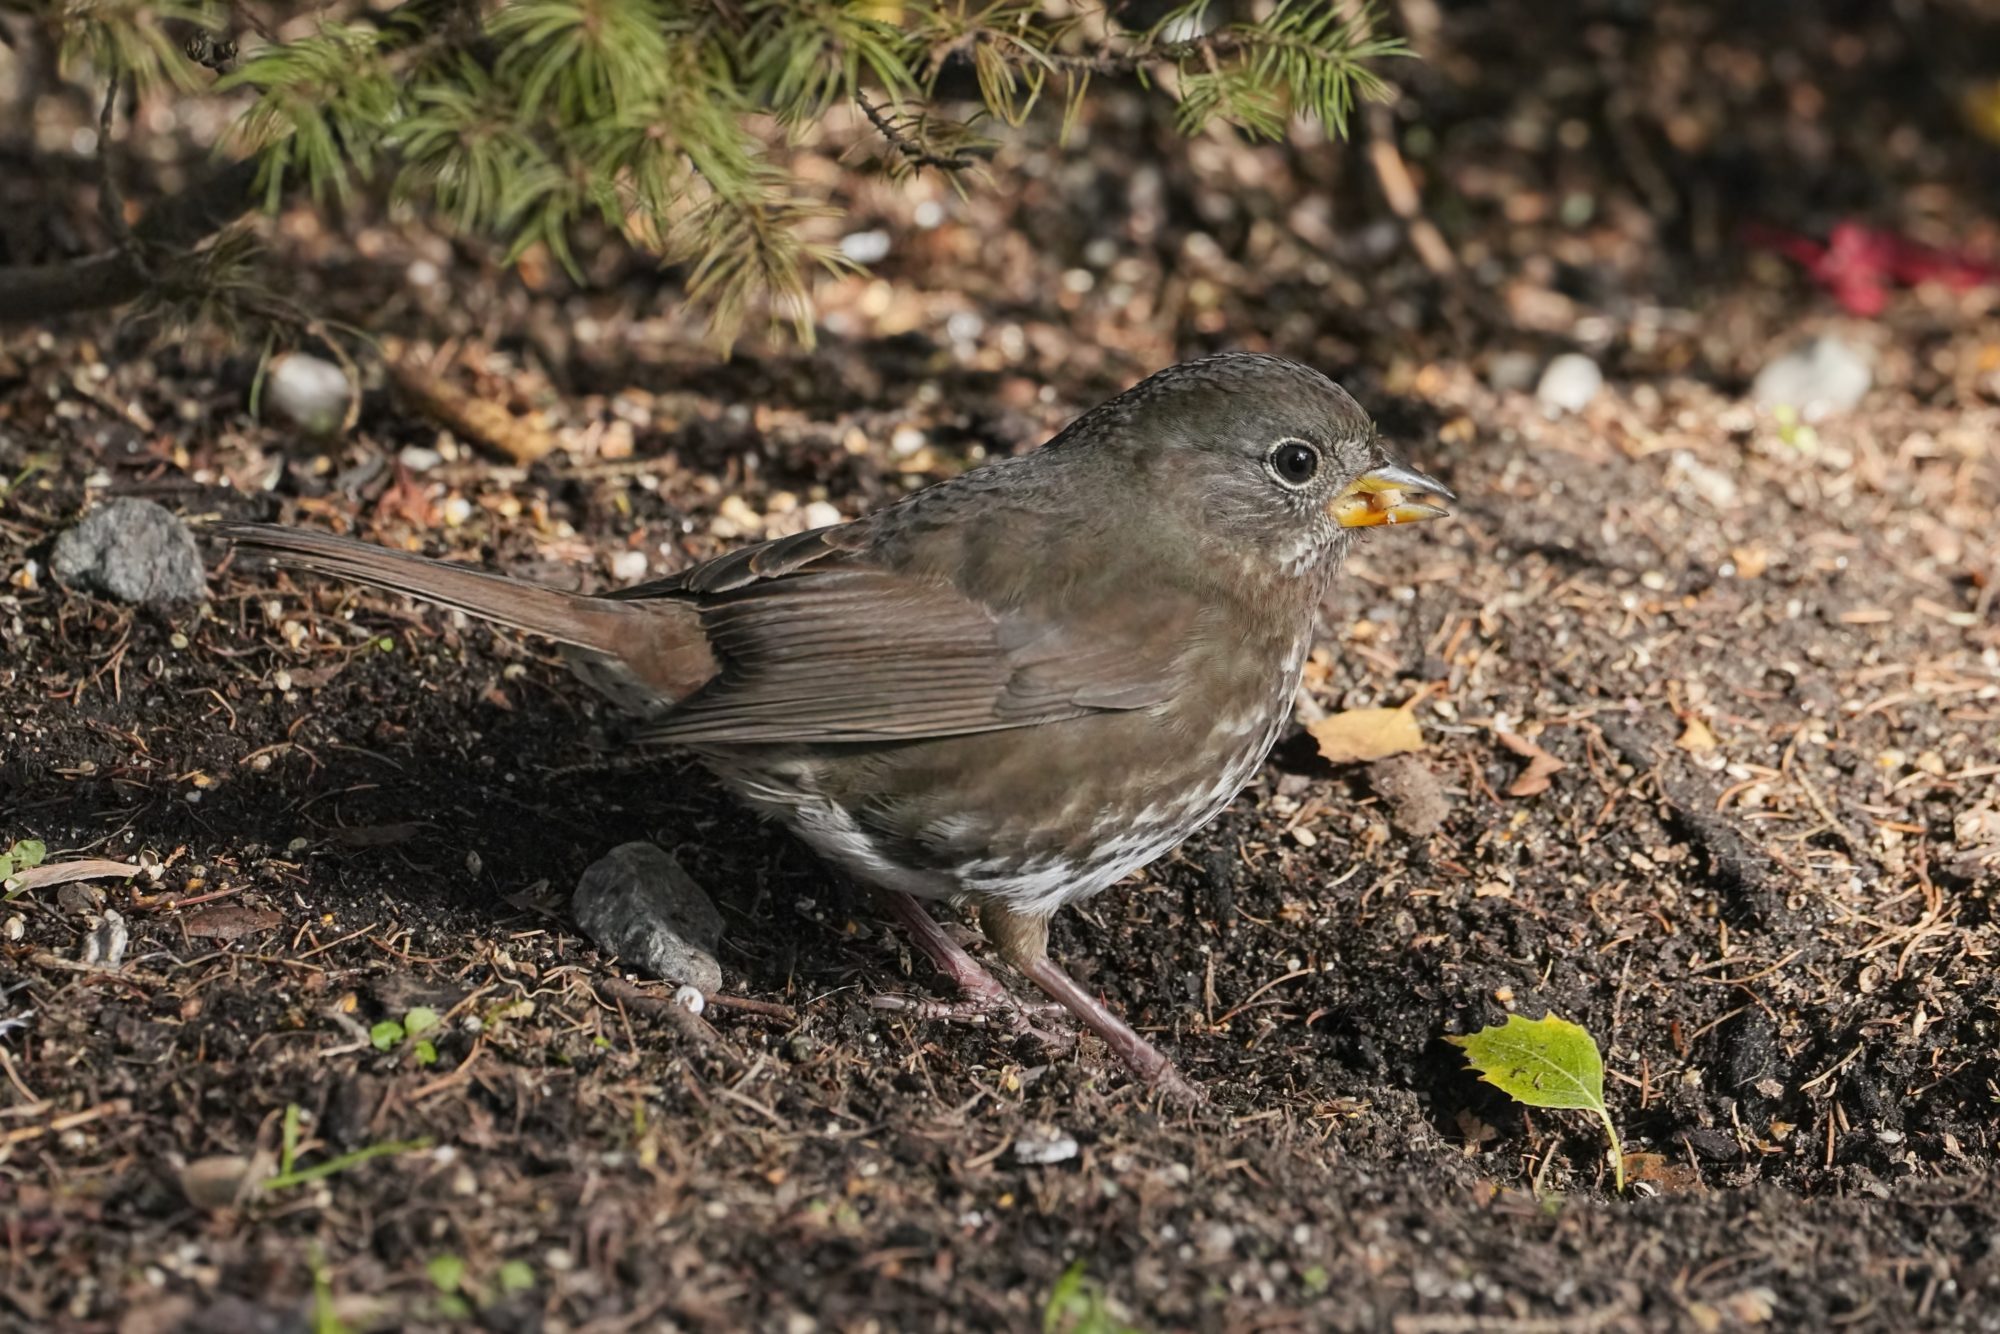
(232,923)
(1542,766)
(521,439)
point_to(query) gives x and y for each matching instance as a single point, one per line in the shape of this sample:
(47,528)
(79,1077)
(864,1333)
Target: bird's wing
(752,564)
(817,643)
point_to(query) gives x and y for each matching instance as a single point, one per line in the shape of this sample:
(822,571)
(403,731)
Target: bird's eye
(1294,462)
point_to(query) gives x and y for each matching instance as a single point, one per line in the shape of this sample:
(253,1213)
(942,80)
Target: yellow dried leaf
(1367,734)
(1697,737)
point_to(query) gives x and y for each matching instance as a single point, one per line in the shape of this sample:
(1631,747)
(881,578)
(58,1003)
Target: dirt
(1766,658)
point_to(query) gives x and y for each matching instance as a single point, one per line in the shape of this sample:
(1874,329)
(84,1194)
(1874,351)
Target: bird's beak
(1391,493)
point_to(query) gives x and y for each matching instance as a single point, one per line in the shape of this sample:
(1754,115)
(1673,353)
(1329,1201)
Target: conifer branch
(914,153)
(521,119)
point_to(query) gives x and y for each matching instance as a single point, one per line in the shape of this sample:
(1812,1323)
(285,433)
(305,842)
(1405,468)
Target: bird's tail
(659,642)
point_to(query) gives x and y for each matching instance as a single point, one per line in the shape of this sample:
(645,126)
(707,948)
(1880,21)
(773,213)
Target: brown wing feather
(746,565)
(818,643)
(853,654)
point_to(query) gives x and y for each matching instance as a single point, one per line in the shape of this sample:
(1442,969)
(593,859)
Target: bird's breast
(1039,816)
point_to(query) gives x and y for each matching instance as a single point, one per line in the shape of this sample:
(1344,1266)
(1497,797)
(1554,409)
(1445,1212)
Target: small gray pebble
(1044,1146)
(221,1182)
(637,903)
(107,940)
(1818,379)
(1569,383)
(131,550)
(1512,372)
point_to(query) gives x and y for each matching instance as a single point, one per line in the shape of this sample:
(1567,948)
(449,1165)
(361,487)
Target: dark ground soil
(1765,877)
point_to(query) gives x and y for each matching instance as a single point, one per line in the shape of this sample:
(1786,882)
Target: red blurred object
(1859,264)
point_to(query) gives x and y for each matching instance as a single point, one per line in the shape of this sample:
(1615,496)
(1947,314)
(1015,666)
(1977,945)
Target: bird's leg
(983,998)
(1023,941)
(963,971)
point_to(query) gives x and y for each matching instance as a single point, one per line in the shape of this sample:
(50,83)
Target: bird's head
(1271,458)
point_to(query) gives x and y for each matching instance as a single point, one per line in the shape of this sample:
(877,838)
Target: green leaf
(1546,1062)
(28,853)
(132,38)
(426,1053)
(420,1019)
(289,1176)
(288,1146)
(1077,1305)
(386,1034)
(516,1276)
(447,1272)
(326,1319)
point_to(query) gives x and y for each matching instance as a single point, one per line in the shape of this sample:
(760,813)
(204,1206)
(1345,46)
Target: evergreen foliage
(518,119)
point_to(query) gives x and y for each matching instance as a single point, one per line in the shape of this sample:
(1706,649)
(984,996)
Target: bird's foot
(1141,1057)
(982,1000)
(1040,1021)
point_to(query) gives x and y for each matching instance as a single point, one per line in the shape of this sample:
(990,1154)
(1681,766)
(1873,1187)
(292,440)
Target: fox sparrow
(1014,687)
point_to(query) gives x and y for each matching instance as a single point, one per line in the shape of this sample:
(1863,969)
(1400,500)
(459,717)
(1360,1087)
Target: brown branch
(110,199)
(180,222)
(913,152)
(1109,60)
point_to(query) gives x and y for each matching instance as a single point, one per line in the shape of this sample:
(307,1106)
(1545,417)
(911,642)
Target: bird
(1008,690)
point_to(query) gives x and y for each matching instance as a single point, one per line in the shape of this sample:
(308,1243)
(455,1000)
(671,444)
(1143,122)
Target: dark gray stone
(637,903)
(131,550)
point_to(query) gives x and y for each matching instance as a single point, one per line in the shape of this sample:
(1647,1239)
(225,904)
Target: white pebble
(1817,380)
(690,999)
(629,565)
(819,514)
(1041,1150)
(1569,383)
(310,393)
(866,247)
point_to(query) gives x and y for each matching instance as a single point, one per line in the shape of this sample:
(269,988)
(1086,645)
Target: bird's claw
(1006,1012)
